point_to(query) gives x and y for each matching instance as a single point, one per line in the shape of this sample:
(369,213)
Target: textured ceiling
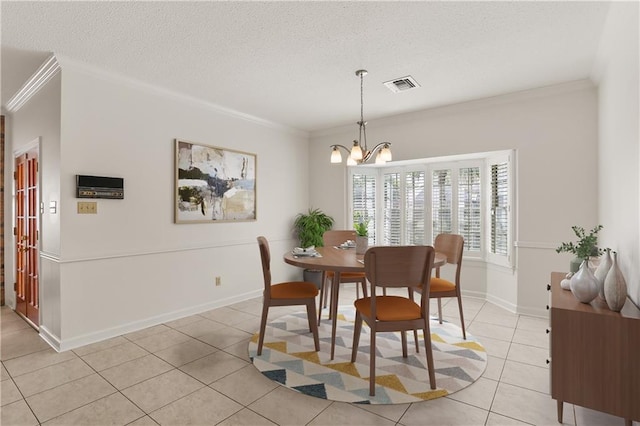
(293,62)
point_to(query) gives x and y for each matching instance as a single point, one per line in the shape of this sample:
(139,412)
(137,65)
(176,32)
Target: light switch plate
(87,207)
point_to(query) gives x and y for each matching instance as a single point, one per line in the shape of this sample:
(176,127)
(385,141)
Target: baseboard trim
(50,338)
(76,342)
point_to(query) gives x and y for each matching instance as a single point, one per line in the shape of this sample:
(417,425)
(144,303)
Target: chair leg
(364,288)
(357,328)
(427,347)
(326,294)
(357,292)
(372,363)
(415,332)
(440,309)
(263,325)
(322,287)
(313,325)
(403,334)
(464,334)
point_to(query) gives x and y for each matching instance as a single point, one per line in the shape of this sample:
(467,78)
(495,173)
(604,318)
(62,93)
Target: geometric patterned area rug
(288,357)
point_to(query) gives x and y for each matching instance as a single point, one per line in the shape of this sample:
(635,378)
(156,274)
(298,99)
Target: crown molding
(37,81)
(70,64)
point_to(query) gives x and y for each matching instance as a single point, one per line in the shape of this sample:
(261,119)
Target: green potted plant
(310,227)
(585,247)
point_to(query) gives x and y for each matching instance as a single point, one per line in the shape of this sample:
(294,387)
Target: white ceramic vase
(584,284)
(362,244)
(615,286)
(602,270)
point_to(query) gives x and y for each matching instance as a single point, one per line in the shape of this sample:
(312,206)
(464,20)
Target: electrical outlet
(218,281)
(87,207)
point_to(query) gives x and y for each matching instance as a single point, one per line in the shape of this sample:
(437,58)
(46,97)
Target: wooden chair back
(265,256)
(452,246)
(337,237)
(399,266)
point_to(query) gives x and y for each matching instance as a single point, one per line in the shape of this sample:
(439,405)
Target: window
(469,207)
(414,207)
(363,203)
(391,209)
(441,202)
(499,200)
(413,202)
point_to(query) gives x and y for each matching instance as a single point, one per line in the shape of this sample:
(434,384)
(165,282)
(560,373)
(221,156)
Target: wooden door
(26,235)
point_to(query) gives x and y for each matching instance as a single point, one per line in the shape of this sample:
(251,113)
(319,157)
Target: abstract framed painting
(213,184)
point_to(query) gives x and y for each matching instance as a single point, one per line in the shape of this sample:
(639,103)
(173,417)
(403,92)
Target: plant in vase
(361,225)
(583,283)
(585,247)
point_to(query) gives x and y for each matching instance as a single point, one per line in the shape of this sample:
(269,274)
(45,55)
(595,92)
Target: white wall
(617,73)
(130,266)
(554,132)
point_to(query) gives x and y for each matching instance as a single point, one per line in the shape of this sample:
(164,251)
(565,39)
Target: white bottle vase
(615,286)
(603,269)
(584,284)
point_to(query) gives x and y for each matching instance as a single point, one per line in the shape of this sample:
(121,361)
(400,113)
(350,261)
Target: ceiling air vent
(403,84)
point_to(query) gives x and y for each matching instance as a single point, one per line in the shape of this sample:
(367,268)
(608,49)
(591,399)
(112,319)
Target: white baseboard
(62,345)
(50,338)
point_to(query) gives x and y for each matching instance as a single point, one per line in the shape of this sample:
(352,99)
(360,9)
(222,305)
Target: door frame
(34,145)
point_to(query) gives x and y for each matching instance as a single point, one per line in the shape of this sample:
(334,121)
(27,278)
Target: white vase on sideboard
(615,286)
(584,284)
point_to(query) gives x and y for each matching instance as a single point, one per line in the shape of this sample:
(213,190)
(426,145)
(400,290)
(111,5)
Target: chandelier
(359,153)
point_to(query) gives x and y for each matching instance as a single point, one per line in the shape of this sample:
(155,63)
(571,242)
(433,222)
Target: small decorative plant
(310,227)
(587,244)
(361,225)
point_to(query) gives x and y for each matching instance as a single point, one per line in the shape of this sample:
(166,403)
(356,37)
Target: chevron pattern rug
(288,357)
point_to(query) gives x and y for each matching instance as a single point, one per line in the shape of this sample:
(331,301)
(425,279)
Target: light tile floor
(196,370)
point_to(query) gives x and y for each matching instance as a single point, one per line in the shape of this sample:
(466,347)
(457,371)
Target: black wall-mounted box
(99,187)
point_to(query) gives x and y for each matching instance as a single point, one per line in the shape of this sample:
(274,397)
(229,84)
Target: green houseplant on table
(309,228)
(361,225)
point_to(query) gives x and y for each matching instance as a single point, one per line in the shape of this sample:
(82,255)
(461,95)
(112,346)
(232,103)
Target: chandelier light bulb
(336,157)
(356,151)
(385,152)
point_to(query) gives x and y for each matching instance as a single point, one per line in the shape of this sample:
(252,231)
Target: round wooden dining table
(338,260)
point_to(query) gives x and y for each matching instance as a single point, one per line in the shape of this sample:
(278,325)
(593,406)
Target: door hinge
(15,231)
(15,175)
(37,235)
(15,286)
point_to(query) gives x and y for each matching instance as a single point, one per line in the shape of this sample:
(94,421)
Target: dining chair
(397,267)
(452,246)
(285,294)
(334,238)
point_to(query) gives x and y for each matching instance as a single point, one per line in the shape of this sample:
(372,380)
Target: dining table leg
(335,287)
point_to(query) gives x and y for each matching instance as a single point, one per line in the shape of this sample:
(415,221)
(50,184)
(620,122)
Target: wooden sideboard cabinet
(595,354)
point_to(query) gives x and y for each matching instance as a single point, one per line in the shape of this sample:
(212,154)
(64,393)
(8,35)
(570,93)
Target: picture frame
(213,184)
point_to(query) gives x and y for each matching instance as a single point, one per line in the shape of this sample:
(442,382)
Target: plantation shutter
(469,208)
(364,201)
(391,209)
(414,208)
(441,201)
(499,209)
